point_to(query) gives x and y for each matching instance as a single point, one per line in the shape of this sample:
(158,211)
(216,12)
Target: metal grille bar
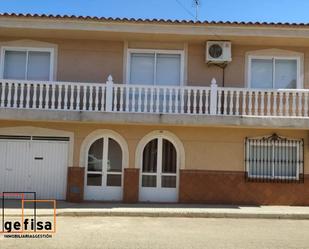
(274,159)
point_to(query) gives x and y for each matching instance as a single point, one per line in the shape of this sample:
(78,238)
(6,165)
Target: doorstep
(170,210)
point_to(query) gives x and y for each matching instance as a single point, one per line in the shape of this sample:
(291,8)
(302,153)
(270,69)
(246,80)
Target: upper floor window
(155,67)
(27,63)
(273,72)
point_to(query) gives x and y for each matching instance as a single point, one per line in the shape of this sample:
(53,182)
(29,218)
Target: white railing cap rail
(110,80)
(161,87)
(242,89)
(31,82)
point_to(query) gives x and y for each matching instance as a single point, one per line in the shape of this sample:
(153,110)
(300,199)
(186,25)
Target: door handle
(38,158)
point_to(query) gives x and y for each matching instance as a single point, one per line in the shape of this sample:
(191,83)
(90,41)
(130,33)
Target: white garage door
(34,164)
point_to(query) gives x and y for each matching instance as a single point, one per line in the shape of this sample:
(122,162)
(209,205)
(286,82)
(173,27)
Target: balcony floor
(154,119)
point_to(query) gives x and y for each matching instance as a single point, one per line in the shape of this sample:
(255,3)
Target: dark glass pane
(285,73)
(168,181)
(149,181)
(95,155)
(169,157)
(150,157)
(114,162)
(94,180)
(38,67)
(262,73)
(113,180)
(15,65)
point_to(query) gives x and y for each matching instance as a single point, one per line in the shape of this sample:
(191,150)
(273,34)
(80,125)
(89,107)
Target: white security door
(34,166)
(14,166)
(48,169)
(159,178)
(103,179)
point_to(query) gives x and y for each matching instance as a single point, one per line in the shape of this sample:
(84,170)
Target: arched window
(159,164)
(104,166)
(159,156)
(104,154)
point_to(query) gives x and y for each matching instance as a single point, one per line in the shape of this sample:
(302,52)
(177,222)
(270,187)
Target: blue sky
(225,10)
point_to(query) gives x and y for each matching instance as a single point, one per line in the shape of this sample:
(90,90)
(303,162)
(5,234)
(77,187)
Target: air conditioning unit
(218,52)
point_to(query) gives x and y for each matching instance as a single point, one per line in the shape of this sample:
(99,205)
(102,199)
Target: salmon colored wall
(84,60)
(93,60)
(205,148)
(199,73)
(89,61)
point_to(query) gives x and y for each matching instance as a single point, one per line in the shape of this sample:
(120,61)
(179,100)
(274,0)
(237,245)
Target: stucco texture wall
(200,74)
(80,60)
(89,61)
(206,148)
(85,60)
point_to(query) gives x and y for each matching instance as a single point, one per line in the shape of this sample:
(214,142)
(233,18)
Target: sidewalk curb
(164,214)
(187,215)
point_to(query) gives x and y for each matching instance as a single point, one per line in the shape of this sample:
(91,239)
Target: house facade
(98,109)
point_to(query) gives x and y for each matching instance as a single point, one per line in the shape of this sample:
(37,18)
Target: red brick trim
(75,184)
(131,185)
(230,187)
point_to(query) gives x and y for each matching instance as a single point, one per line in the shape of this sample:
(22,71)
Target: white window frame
(159,173)
(27,50)
(273,144)
(299,81)
(104,172)
(155,51)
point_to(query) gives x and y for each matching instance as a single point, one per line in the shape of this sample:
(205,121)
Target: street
(139,232)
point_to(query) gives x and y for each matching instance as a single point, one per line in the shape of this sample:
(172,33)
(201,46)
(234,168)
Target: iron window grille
(274,158)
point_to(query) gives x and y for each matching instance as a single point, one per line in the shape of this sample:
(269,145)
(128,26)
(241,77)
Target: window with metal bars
(274,158)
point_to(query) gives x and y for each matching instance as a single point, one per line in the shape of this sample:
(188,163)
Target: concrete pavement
(168,210)
(171,233)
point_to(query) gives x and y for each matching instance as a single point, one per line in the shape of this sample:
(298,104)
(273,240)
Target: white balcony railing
(110,97)
(163,99)
(262,102)
(48,95)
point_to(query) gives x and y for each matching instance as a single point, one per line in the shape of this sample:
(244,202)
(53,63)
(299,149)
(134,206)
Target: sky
(211,10)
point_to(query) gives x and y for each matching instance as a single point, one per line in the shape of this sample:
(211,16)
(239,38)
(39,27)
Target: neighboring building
(151,110)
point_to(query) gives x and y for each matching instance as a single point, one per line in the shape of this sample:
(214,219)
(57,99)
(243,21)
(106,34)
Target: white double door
(159,172)
(104,175)
(34,166)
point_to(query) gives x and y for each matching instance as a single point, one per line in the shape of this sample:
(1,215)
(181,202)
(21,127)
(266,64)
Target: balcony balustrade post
(109,94)
(213,97)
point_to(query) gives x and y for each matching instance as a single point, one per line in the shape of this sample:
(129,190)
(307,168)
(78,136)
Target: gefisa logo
(25,216)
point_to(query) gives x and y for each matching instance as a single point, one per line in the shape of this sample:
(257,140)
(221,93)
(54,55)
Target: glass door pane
(168,69)
(169,165)
(150,157)
(285,74)
(114,163)
(168,157)
(95,163)
(15,65)
(142,68)
(262,73)
(38,65)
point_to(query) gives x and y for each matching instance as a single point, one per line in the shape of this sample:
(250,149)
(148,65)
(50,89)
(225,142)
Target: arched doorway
(160,161)
(104,164)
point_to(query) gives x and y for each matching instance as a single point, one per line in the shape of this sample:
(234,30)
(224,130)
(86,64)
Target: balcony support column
(109,94)
(213,97)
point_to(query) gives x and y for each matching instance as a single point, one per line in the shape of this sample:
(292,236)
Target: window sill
(262,179)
